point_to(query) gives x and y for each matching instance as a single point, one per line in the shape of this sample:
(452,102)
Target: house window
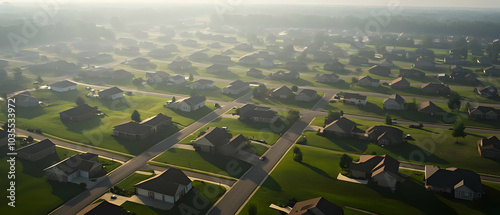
(459,193)
(466,194)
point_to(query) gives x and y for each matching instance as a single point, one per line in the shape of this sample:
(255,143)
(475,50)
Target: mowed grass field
(204,161)
(316,176)
(198,201)
(34,190)
(430,146)
(98,131)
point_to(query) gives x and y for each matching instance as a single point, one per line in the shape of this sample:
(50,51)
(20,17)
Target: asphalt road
(76,204)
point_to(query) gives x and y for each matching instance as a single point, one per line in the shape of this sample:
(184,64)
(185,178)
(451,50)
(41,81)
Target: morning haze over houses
(276,108)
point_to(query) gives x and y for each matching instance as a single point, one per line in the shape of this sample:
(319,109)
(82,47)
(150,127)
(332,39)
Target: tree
(136,116)
(29,139)
(467,106)
(297,154)
(252,209)
(354,80)
(388,119)
(260,91)
(293,115)
(459,130)
(173,99)
(80,101)
(191,77)
(341,113)
(295,88)
(345,161)
(137,81)
(454,101)
(332,116)
(39,79)
(296,150)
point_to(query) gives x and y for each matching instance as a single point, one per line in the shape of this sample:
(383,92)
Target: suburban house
(368,81)
(433,88)
(236,87)
(380,70)
(190,104)
(424,64)
(492,71)
(121,74)
(306,95)
(180,65)
(413,73)
(334,66)
(132,131)
(463,77)
(142,130)
(201,84)
(327,78)
(488,92)
(384,170)
(282,75)
(36,151)
(77,114)
(316,206)
(296,66)
(222,59)
(111,93)
(489,147)
(199,56)
(283,92)
(170,186)
(461,183)
(157,77)
(386,63)
(254,72)
(103,207)
(257,113)
(430,108)
(354,98)
(84,165)
(400,83)
(24,99)
(63,86)
(341,127)
(219,140)
(217,68)
(484,112)
(249,60)
(99,72)
(357,60)
(394,102)
(140,61)
(177,79)
(385,135)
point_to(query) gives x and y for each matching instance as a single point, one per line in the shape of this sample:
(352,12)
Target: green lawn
(317,177)
(287,103)
(256,148)
(127,185)
(431,146)
(199,199)
(98,131)
(204,161)
(34,194)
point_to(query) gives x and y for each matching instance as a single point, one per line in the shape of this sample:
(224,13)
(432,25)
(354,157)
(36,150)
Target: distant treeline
(409,24)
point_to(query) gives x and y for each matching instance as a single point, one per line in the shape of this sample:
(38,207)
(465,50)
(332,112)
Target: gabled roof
(385,132)
(156,120)
(170,182)
(367,77)
(400,82)
(376,164)
(324,206)
(80,110)
(193,100)
(110,91)
(283,90)
(257,111)
(63,84)
(308,92)
(105,207)
(36,147)
(238,84)
(490,143)
(217,136)
(396,97)
(75,163)
(487,89)
(429,107)
(132,128)
(343,123)
(485,109)
(452,178)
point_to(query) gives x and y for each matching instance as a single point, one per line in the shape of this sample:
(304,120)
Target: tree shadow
(65,191)
(36,168)
(79,127)
(30,113)
(272,184)
(411,152)
(316,169)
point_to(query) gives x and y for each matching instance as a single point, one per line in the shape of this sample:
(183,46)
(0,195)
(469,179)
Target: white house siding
(185,107)
(84,174)
(142,192)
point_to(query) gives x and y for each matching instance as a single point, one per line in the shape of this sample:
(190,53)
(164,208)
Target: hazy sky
(418,3)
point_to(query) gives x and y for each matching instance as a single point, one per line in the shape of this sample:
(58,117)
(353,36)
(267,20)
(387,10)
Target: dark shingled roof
(376,164)
(63,84)
(400,82)
(369,78)
(257,111)
(169,182)
(105,207)
(306,207)
(77,111)
(36,147)
(156,120)
(193,100)
(429,107)
(397,98)
(345,124)
(76,163)
(387,132)
(132,128)
(490,143)
(307,92)
(110,91)
(217,136)
(283,90)
(452,178)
